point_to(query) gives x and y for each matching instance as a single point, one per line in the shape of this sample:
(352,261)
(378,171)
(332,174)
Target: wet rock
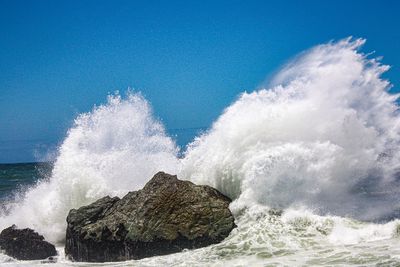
(275,212)
(25,244)
(166,216)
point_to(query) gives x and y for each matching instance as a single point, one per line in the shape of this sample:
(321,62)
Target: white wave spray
(325,136)
(109,151)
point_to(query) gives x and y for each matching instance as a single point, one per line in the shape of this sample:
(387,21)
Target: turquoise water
(18,177)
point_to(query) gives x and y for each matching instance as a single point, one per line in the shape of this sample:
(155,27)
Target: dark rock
(49,260)
(275,212)
(166,216)
(25,244)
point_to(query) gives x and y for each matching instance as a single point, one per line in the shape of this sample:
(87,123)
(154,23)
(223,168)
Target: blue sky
(189,58)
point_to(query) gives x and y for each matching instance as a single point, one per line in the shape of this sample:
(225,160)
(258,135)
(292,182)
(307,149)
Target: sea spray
(111,150)
(319,142)
(325,136)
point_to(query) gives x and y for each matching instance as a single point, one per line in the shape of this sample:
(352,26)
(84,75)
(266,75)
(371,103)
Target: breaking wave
(319,142)
(324,135)
(111,150)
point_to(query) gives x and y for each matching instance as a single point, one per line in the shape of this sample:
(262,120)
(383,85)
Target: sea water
(311,161)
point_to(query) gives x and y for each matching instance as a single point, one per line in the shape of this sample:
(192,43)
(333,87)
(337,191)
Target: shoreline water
(307,248)
(373,243)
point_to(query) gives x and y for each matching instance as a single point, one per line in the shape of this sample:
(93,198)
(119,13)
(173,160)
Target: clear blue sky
(189,58)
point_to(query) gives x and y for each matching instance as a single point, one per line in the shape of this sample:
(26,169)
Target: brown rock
(166,216)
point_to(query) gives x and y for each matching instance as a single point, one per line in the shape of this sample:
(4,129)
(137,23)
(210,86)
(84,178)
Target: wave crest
(324,136)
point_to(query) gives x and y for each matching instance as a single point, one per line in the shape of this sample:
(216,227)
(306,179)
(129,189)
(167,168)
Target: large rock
(166,216)
(25,244)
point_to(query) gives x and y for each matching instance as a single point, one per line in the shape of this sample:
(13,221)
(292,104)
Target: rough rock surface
(25,244)
(166,216)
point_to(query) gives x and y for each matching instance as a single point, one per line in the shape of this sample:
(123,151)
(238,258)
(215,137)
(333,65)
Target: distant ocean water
(18,177)
(320,144)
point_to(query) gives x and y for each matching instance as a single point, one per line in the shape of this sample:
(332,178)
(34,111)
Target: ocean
(15,178)
(310,160)
(263,238)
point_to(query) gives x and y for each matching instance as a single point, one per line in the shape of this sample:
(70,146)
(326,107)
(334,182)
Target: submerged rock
(166,216)
(25,244)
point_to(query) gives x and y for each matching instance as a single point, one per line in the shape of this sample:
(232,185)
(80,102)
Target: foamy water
(319,142)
